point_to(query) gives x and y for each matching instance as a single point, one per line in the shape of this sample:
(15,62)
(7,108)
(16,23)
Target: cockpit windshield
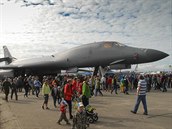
(108,44)
(111,44)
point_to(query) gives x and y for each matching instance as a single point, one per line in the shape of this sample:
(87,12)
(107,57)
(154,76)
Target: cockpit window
(108,44)
(111,44)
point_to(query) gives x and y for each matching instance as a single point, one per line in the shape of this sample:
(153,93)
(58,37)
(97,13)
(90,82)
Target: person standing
(103,83)
(68,96)
(79,86)
(122,83)
(109,82)
(141,96)
(31,84)
(97,87)
(19,83)
(14,88)
(74,83)
(80,120)
(46,91)
(91,83)
(54,93)
(126,83)
(163,83)
(26,86)
(63,83)
(115,86)
(6,87)
(63,106)
(37,85)
(86,93)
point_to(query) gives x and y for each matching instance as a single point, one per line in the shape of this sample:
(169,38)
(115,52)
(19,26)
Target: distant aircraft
(106,53)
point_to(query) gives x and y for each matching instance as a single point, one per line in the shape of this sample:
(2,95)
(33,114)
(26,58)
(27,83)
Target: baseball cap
(80,104)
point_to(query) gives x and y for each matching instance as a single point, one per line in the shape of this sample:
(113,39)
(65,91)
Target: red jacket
(109,81)
(80,87)
(74,83)
(63,108)
(67,92)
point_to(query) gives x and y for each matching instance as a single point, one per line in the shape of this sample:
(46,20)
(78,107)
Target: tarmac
(113,111)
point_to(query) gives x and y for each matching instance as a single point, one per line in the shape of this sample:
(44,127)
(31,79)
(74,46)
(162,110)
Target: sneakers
(71,117)
(47,108)
(133,112)
(68,123)
(145,113)
(59,122)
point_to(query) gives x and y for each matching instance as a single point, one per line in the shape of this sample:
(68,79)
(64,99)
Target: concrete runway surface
(113,110)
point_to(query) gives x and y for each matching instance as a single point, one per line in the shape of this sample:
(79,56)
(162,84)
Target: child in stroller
(91,115)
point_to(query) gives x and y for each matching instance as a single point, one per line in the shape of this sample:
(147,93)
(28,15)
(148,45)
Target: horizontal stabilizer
(9,67)
(4,59)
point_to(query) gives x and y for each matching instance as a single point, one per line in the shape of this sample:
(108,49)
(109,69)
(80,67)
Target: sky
(34,28)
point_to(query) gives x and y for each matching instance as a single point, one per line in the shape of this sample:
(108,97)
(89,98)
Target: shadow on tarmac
(168,115)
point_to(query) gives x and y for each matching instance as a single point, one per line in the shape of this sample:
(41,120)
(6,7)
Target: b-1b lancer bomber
(106,53)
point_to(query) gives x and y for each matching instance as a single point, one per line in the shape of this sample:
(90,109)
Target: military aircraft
(105,53)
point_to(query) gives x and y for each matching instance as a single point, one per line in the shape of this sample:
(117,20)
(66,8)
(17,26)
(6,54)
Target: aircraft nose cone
(155,55)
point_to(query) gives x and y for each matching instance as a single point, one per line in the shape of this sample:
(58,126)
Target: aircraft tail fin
(7,56)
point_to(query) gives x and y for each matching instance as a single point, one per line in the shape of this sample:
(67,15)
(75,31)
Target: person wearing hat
(80,118)
(63,106)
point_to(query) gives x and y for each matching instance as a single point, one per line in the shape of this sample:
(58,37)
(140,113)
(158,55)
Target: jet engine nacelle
(120,66)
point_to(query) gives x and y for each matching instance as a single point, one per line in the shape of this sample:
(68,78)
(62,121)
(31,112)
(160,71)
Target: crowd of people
(64,89)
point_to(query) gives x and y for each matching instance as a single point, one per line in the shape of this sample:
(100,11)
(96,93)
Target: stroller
(91,115)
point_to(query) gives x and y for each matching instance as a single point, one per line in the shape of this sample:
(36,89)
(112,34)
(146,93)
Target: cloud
(41,28)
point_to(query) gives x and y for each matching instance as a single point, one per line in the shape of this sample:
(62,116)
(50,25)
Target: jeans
(14,91)
(98,90)
(139,99)
(85,100)
(54,100)
(37,91)
(46,96)
(69,102)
